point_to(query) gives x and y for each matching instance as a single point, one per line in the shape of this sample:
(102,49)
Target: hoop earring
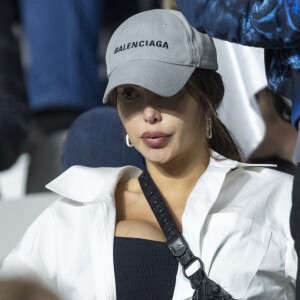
(209,129)
(128,142)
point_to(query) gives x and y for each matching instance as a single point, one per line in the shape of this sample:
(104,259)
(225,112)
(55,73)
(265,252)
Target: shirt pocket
(233,249)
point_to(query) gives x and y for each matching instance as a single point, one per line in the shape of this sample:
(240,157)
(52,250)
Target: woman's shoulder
(256,179)
(260,194)
(260,185)
(262,176)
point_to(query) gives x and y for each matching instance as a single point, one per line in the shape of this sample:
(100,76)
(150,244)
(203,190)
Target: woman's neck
(177,178)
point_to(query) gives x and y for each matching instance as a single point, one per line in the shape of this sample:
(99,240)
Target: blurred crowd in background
(52,69)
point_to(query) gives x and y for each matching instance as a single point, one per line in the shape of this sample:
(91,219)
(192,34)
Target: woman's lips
(155,139)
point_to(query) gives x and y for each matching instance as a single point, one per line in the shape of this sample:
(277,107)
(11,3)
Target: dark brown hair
(208,87)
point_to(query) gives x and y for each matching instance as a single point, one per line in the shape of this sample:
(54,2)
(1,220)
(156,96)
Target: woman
(100,240)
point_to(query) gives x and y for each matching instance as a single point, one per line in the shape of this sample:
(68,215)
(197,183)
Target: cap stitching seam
(157,60)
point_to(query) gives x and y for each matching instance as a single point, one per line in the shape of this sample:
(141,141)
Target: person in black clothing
(13,101)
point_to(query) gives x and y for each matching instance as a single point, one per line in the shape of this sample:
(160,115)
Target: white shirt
(244,75)
(236,220)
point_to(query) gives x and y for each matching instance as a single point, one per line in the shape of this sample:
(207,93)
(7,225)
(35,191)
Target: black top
(144,269)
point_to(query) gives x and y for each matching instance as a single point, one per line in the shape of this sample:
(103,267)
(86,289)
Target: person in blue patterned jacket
(275,26)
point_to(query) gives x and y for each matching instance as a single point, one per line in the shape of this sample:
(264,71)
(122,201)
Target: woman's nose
(152,114)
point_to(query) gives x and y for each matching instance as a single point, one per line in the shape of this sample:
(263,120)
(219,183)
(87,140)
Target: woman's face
(161,128)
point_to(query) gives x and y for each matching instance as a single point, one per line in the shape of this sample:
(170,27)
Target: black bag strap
(205,288)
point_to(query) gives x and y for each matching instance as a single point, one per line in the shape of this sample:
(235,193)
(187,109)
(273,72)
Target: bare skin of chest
(134,217)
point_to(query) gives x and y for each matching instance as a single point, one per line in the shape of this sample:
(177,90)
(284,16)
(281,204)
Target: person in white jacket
(100,239)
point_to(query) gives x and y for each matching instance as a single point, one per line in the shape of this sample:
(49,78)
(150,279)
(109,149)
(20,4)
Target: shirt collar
(85,184)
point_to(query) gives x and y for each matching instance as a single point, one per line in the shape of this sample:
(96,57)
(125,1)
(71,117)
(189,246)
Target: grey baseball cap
(157,50)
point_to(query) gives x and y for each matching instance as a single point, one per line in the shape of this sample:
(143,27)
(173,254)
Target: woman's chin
(158,157)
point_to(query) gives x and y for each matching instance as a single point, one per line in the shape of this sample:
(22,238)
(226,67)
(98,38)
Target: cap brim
(161,78)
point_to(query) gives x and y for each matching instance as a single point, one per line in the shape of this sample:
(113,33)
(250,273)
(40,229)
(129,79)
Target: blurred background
(52,69)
